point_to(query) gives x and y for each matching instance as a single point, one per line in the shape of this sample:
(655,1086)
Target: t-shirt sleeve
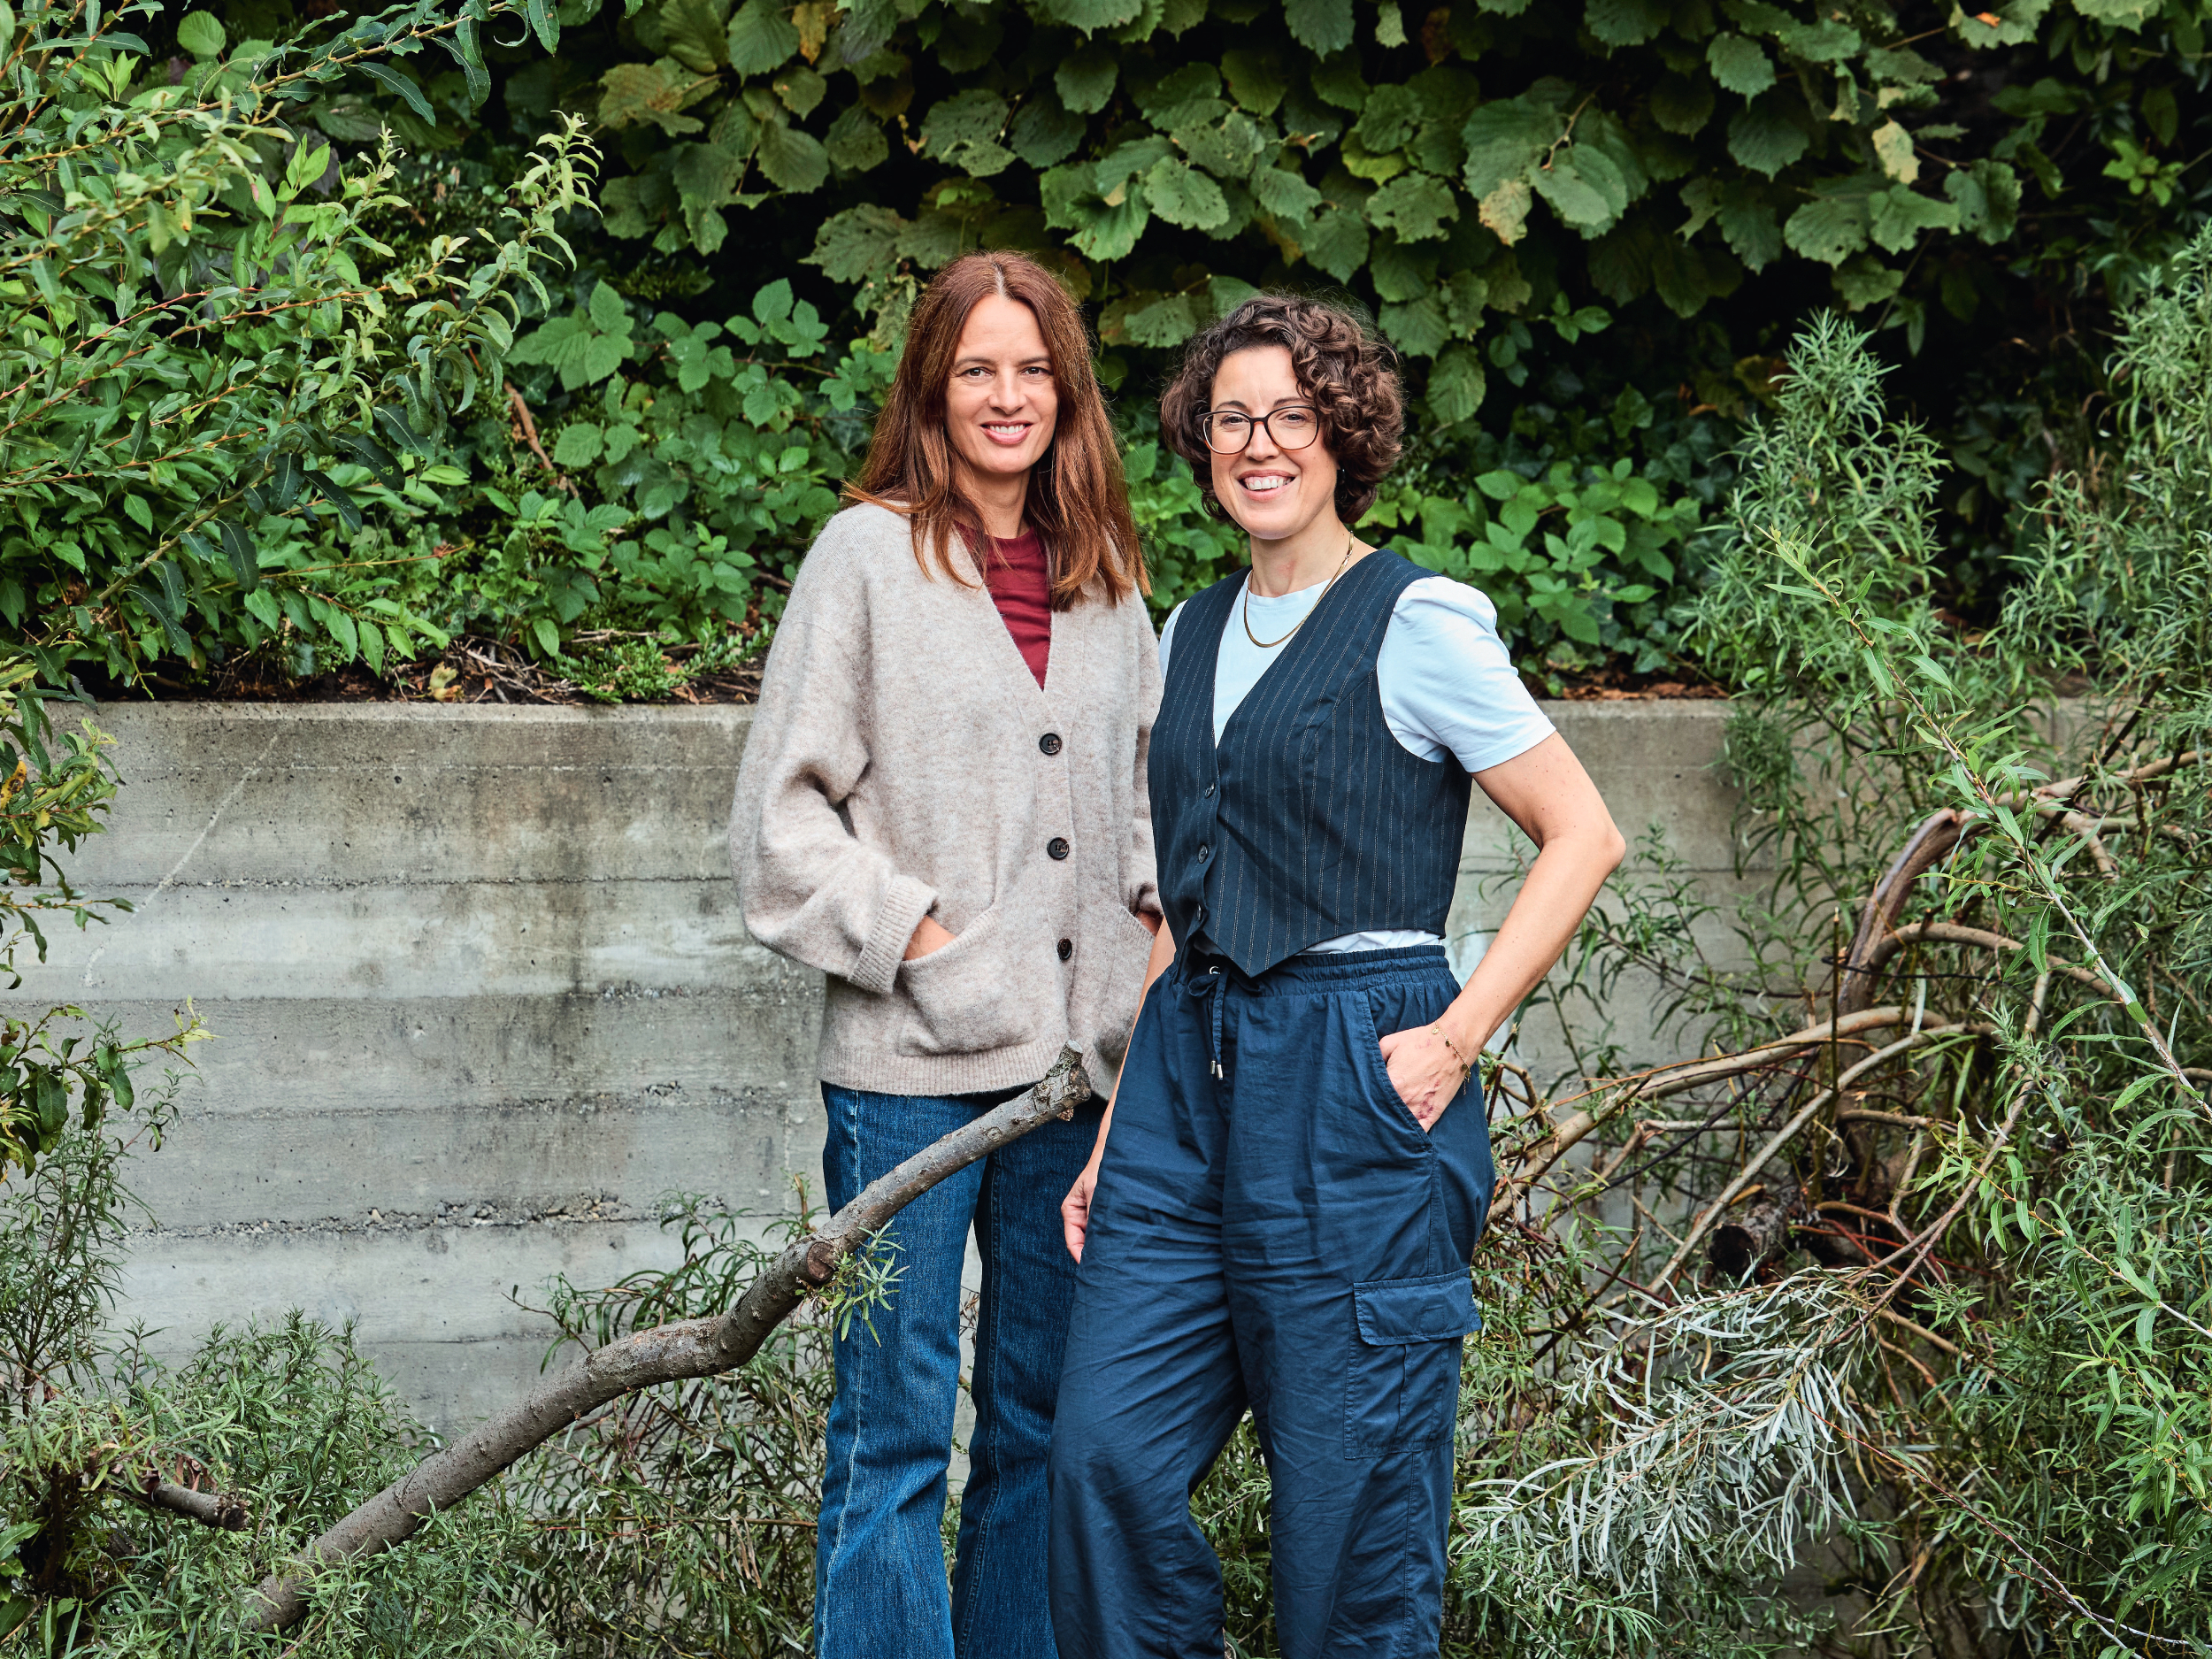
(1447,682)
(1167,637)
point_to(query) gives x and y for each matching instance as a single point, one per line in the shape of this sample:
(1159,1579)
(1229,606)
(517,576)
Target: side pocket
(1401,1381)
(1368,1037)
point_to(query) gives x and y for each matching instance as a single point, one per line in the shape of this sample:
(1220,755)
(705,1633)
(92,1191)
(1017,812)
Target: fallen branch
(223,1510)
(667,1352)
(1929,1033)
(1676,1079)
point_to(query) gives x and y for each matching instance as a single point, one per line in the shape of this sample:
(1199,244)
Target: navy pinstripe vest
(1308,820)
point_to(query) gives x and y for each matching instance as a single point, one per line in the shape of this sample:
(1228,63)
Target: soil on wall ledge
(488,671)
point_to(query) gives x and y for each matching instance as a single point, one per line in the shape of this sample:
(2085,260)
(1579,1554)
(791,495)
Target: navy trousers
(1272,1229)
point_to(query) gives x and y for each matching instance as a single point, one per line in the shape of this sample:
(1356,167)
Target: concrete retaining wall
(481,994)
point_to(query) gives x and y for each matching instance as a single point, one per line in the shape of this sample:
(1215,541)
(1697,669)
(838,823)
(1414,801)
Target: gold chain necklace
(1246,611)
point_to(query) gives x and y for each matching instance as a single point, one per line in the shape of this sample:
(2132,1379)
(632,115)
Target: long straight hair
(1078,501)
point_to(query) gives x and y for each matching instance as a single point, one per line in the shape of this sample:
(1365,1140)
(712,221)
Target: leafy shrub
(199,375)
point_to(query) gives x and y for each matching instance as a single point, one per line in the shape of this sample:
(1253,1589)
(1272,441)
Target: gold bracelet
(1465,1065)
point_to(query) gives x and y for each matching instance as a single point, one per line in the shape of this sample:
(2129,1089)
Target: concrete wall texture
(480,995)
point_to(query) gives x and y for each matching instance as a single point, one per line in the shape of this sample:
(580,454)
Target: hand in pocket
(1425,1071)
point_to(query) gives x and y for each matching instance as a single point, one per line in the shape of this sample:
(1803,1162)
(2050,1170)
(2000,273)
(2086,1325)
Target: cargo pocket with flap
(1402,1382)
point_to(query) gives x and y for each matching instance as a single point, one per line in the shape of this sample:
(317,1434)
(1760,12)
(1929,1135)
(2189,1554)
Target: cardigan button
(1049,743)
(1066,949)
(1056,848)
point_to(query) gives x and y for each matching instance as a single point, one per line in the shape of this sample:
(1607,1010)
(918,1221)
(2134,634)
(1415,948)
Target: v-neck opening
(1277,656)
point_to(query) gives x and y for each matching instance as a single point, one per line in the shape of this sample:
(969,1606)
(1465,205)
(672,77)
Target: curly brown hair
(1350,374)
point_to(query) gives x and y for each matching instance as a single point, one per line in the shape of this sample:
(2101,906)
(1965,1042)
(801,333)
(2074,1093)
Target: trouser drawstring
(1211,983)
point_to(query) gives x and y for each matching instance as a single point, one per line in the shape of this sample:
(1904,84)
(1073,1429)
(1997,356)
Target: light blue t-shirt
(1447,686)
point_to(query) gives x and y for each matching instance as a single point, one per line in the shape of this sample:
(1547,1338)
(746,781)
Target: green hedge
(1590,229)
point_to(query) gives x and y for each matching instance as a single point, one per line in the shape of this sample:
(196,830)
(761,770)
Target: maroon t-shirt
(1020,581)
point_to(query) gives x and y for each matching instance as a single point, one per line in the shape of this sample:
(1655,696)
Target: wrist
(1461,1035)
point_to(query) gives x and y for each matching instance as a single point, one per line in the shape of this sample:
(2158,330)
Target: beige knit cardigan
(904,761)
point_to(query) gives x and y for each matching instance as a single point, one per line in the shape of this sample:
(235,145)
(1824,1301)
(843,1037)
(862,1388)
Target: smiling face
(1271,492)
(1002,403)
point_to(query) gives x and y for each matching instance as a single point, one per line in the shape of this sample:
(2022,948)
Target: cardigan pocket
(963,998)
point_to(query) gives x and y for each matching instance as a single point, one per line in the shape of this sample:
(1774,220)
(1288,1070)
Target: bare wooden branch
(1676,1079)
(1788,1132)
(668,1352)
(223,1510)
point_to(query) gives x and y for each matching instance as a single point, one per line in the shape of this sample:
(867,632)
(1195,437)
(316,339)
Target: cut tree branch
(223,1510)
(667,1352)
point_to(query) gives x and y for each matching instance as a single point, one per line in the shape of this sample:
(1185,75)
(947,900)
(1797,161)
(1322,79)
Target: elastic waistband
(1325,971)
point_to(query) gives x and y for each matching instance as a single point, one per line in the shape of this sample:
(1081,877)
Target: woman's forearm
(1536,931)
(1154,966)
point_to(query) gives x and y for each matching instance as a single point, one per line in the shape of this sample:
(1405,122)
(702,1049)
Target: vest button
(1066,949)
(1204,852)
(1049,743)
(1056,848)
(1210,791)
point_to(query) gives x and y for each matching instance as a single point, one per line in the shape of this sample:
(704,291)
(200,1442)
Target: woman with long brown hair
(942,807)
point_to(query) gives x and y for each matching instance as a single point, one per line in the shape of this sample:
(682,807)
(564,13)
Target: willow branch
(667,1352)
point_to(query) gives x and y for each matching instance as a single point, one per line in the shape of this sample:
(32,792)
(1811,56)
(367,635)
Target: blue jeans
(879,1590)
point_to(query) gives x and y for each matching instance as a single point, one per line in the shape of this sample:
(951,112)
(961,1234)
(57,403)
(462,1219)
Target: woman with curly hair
(1288,1186)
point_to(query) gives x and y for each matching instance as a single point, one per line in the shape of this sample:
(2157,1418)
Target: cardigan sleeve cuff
(905,902)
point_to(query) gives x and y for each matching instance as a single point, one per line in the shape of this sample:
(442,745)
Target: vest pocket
(962,1001)
(1402,1379)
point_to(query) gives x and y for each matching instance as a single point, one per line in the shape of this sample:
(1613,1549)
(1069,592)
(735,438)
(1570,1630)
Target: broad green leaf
(1091,15)
(1084,79)
(1110,233)
(631,93)
(1863,280)
(1321,27)
(697,34)
(962,131)
(760,38)
(1740,65)
(1284,193)
(1583,187)
(1624,22)
(1388,117)
(1988,195)
(1160,320)
(1182,195)
(1399,272)
(608,312)
(1336,240)
(800,89)
(1505,209)
(1044,133)
(2015,22)
(793,160)
(1417,327)
(855,143)
(1457,385)
(1416,206)
(1764,137)
(201,34)
(1257,79)
(579,444)
(1829,40)
(1338,80)
(1900,215)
